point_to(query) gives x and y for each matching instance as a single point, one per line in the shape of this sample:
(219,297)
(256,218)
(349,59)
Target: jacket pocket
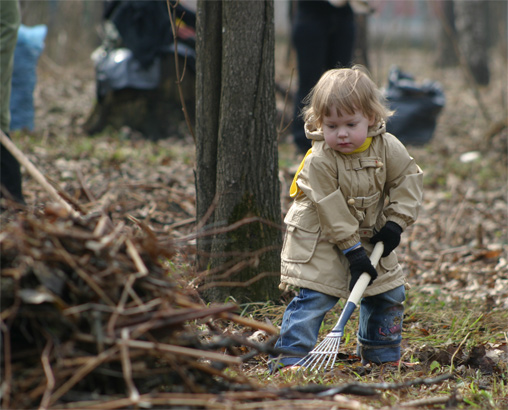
(363,202)
(302,234)
(363,207)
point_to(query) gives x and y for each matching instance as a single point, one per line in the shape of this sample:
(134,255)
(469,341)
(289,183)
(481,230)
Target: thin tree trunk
(208,89)
(471,24)
(446,55)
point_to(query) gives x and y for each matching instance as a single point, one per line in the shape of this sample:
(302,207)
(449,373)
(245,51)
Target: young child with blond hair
(356,186)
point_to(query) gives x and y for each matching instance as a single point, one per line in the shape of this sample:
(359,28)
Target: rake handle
(364,279)
(358,290)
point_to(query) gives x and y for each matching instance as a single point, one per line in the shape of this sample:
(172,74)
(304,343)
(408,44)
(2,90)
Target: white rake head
(324,355)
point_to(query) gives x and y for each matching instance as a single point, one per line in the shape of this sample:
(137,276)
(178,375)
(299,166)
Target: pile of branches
(90,315)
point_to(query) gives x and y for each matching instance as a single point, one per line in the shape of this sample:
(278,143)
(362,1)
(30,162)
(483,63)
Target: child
(356,186)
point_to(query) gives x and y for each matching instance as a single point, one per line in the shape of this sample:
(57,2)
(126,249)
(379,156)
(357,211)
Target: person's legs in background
(341,40)
(322,42)
(309,39)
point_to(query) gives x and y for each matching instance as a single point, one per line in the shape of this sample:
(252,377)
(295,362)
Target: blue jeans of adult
(379,332)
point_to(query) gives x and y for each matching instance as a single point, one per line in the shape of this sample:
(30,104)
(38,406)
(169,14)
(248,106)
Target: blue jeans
(379,333)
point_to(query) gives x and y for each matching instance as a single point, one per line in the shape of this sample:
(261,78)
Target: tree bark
(471,24)
(237,153)
(446,54)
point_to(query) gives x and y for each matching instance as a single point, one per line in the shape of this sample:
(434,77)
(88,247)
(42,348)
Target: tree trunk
(237,153)
(471,24)
(446,54)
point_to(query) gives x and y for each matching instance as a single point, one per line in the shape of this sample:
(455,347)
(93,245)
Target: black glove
(389,235)
(359,262)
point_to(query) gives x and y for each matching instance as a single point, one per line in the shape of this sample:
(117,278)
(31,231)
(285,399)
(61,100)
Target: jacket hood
(316,134)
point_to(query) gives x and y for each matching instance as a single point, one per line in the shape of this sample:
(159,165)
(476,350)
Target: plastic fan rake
(324,355)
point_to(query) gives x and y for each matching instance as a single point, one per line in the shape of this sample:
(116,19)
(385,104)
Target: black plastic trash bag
(416,106)
(118,69)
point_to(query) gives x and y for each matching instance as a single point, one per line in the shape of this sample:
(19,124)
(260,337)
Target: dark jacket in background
(144,26)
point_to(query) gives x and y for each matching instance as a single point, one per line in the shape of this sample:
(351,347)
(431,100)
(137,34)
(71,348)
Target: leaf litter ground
(455,333)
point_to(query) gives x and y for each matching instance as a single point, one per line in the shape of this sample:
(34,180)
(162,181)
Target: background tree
(446,55)
(471,23)
(465,35)
(237,152)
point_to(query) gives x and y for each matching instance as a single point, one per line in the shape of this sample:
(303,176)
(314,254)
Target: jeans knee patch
(393,324)
(381,319)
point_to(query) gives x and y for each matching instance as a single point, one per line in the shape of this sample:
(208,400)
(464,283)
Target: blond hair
(348,90)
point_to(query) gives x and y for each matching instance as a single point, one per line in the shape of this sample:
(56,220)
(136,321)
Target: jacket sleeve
(404,185)
(319,182)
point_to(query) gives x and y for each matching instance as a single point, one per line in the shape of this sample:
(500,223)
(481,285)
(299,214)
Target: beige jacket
(343,199)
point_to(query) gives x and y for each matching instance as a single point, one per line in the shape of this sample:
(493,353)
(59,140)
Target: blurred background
(75,27)
(420,36)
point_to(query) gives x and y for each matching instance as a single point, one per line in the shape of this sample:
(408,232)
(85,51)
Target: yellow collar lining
(363,147)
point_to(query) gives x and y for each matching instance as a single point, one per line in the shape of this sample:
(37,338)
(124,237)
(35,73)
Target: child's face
(345,133)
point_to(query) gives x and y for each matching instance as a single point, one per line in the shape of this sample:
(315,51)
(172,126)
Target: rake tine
(332,347)
(312,360)
(333,356)
(308,360)
(323,354)
(319,360)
